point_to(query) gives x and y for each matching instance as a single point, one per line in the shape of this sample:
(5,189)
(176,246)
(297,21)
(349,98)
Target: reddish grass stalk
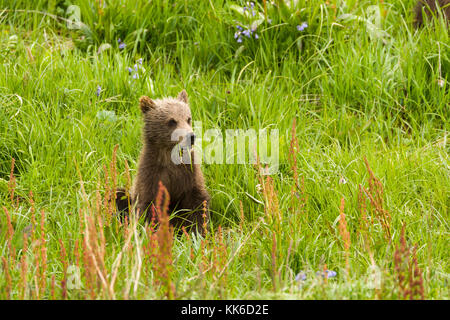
(242,216)
(10,229)
(219,254)
(204,219)
(271,205)
(65,266)
(164,237)
(116,264)
(42,283)
(101,246)
(8,277)
(416,279)
(52,288)
(89,270)
(409,275)
(188,239)
(76,253)
(93,251)
(376,195)
(12,184)
(96,251)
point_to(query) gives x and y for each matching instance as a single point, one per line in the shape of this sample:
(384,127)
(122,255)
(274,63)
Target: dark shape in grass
(430,9)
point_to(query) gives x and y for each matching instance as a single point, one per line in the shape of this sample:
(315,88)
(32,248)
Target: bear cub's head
(167,121)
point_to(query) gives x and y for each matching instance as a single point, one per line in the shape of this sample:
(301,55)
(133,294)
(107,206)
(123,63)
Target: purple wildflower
(99,90)
(329,273)
(300,277)
(302,27)
(239,40)
(247,33)
(122,45)
(136,76)
(236,35)
(140,61)
(130,70)
(239,27)
(256,36)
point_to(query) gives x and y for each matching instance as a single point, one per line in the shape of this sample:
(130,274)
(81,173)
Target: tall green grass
(359,82)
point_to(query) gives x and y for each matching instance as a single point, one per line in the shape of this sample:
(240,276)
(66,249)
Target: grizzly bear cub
(167,132)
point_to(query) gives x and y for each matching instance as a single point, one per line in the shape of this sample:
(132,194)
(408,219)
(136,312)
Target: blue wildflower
(239,27)
(236,35)
(247,33)
(256,36)
(136,67)
(252,5)
(121,44)
(136,76)
(130,70)
(99,90)
(140,61)
(300,277)
(326,273)
(239,40)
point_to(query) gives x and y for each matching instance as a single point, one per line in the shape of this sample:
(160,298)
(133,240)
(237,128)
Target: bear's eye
(189,120)
(172,123)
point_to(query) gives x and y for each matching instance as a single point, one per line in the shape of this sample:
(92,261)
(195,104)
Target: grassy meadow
(357,210)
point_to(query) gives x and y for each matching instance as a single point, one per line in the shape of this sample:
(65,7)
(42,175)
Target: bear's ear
(146,104)
(182,96)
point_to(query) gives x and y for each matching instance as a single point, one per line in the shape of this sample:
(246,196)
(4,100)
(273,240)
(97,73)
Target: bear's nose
(192,138)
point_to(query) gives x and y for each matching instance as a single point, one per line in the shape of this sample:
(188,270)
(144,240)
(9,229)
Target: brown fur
(184,182)
(429,7)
